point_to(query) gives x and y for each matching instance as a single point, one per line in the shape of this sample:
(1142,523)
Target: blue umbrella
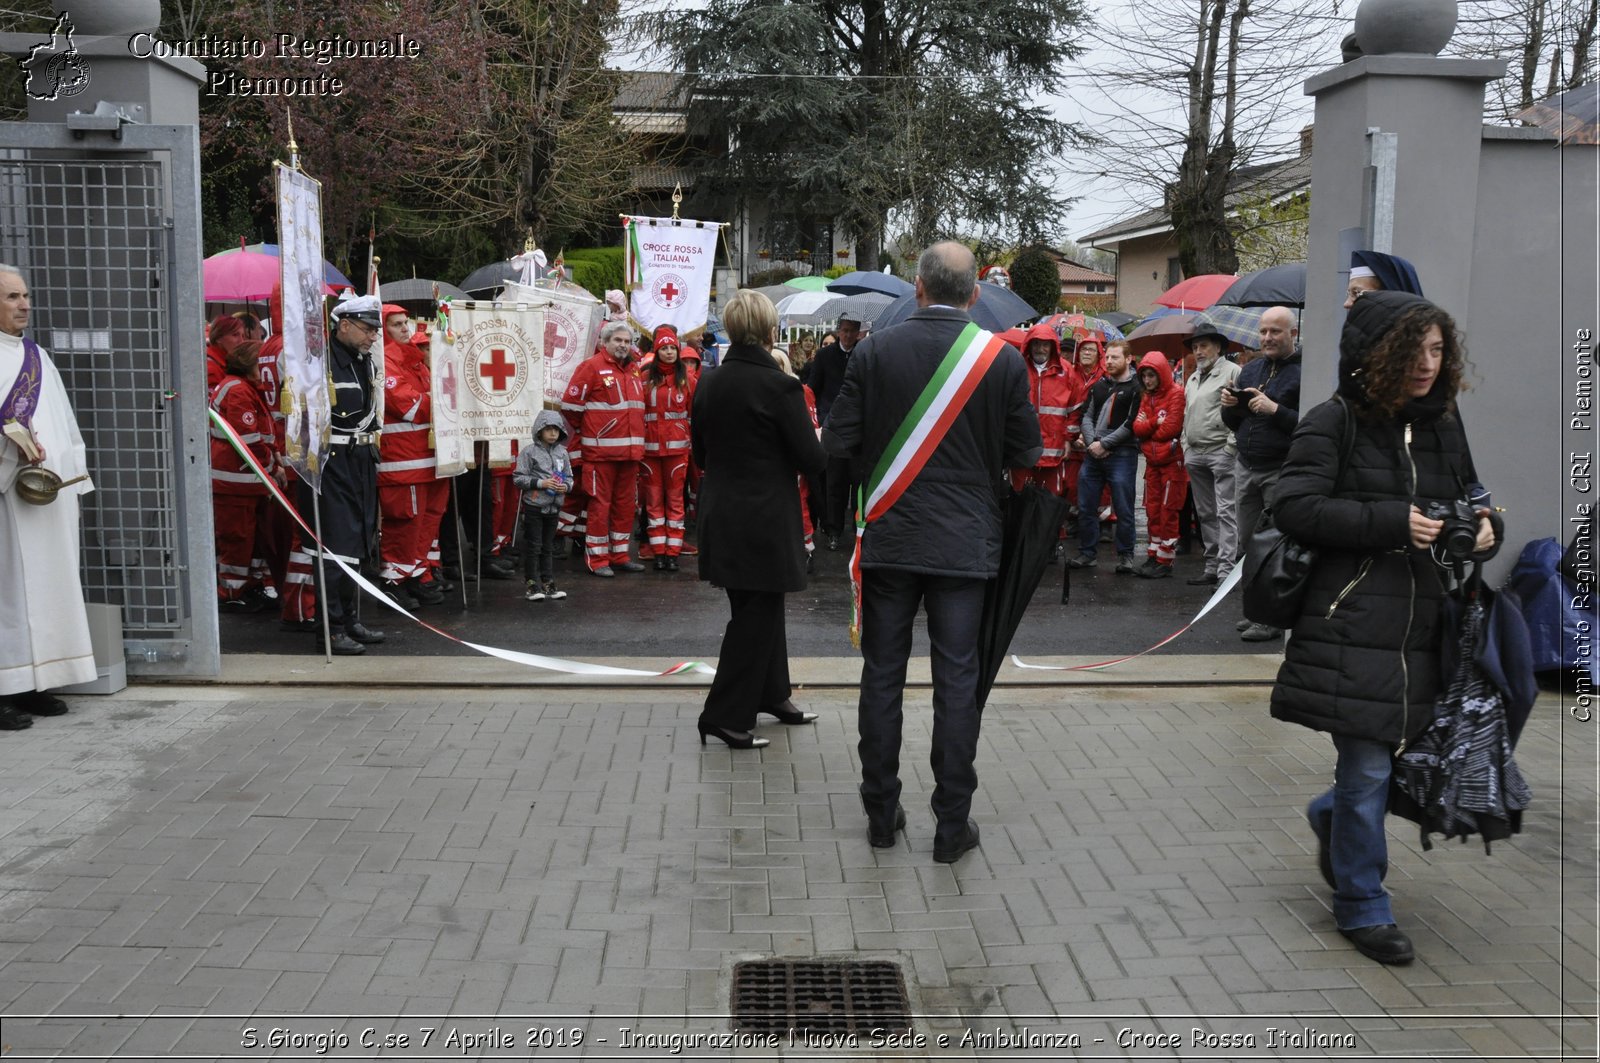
(997,309)
(330,274)
(871,282)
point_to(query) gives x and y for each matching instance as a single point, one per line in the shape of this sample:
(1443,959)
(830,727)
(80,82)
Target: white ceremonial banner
(572,319)
(488,380)
(669,265)
(303,366)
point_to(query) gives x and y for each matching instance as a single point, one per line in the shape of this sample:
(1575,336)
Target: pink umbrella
(241,277)
(1197,293)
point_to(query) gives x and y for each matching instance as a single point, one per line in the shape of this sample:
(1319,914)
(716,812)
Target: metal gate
(106,228)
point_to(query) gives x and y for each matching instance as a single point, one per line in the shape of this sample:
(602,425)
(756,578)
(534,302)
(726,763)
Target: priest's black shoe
(12,719)
(880,836)
(948,852)
(38,703)
(345,646)
(786,712)
(1386,943)
(364,635)
(1209,579)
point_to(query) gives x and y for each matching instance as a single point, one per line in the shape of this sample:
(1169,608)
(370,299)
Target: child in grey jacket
(543,475)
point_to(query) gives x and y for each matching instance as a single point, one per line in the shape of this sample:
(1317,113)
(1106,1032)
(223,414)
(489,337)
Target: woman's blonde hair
(784,364)
(750,318)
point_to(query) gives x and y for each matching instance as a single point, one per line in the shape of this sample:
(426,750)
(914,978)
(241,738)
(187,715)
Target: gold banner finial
(677,198)
(528,246)
(294,149)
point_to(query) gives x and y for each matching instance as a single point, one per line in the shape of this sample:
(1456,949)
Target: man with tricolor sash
(937,409)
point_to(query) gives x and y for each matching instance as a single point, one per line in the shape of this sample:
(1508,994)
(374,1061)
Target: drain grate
(820,997)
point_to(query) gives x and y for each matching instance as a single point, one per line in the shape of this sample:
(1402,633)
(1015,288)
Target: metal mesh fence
(92,237)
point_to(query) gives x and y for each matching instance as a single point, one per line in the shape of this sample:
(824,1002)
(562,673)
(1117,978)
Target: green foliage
(595,268)
(1035,278)
(833,273)
(1271,234)
(917,109)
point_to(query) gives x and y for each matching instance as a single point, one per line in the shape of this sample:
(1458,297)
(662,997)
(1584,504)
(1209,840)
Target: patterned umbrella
(1083,327)
(1240,324)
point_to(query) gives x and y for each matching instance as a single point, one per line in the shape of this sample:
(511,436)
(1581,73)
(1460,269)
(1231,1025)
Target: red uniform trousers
(241,548)
(613,490)
(805,514)
(1165,488)
(411,515)
(503,496)
(663,477)
(1071,468)
(299,590)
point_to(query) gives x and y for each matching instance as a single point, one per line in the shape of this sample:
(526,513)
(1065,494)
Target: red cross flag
(488,380)
(669,264)
(571,329)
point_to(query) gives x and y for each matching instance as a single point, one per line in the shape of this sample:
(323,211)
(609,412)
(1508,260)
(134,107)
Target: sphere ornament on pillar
(96,18)
(1405,27)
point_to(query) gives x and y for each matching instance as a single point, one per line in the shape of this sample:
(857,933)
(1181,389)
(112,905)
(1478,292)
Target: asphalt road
(654,614)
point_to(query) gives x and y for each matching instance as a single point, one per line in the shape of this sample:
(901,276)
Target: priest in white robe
(44,628)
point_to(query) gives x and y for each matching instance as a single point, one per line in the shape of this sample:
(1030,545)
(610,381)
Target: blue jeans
(1349,820)
(1117,469)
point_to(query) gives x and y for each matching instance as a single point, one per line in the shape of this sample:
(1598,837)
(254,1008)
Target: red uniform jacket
(604,407)
(1159,423)
(236,400)
(216,366)
(1057,393)
(405,456)
(666,416)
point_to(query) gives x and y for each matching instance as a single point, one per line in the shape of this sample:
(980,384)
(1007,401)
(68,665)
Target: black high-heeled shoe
(735,739)
(786,712)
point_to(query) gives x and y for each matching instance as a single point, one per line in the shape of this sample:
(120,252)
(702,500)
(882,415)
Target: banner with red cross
(488,380)
(572,320)
(669,264)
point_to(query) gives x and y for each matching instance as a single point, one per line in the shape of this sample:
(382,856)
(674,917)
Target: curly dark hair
(1386,372)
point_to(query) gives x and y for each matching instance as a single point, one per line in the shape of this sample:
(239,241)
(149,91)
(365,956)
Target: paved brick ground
(180,865)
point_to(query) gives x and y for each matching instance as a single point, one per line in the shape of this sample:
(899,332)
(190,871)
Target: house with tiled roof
(1147,247)
(1084,287)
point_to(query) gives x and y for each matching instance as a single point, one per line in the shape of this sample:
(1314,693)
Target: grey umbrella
(866,308)
(486,280)
(997,309)
(417,290)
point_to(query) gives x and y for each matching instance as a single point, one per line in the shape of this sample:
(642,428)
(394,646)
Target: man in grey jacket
(1112,458)
(1208,452)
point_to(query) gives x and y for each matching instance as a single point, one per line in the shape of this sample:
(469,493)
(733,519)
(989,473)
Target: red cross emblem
(497,369)
(555,340)
(669,292)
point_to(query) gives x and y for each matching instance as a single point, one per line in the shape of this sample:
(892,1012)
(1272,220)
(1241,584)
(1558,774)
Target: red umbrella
(1197,293)
(240,277)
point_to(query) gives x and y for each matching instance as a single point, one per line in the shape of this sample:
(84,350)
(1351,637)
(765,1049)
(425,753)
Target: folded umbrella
(1031,526)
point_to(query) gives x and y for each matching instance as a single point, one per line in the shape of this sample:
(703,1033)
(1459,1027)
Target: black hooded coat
(1364,656)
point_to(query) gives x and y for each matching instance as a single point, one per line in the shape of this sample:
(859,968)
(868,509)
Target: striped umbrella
(1240,324)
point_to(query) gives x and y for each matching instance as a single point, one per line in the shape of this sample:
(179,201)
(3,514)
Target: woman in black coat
(1363,663)
(752,435)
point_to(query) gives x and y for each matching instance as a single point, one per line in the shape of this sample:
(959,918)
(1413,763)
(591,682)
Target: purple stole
(24,398)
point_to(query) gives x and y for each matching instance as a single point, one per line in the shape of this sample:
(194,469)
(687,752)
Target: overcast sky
(1101,199)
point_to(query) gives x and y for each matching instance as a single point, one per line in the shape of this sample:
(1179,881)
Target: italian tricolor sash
(918,436)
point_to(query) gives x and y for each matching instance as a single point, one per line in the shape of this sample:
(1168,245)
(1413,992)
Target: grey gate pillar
(1434,109)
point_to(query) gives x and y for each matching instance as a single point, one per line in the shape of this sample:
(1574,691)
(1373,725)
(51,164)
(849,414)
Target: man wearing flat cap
(349,485)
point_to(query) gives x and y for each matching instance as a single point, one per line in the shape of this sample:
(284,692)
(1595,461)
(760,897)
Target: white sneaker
(553,593)
(535,593)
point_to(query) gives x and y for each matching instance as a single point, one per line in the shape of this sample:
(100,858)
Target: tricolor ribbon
(1221,592)
(533,660)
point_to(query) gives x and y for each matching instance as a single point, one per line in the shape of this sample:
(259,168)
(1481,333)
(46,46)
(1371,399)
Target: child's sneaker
(535,592)
(552,593)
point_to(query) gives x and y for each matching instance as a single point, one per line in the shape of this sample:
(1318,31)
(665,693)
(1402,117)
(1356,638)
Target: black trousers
(840,488)
(349,507)
(753,667)
(889,605)
(539,544)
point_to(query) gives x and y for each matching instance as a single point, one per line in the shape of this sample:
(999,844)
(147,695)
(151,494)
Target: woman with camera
(1363,474)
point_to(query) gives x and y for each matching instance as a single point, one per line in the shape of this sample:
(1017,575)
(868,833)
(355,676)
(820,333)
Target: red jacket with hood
(1159,423)
(1057,392)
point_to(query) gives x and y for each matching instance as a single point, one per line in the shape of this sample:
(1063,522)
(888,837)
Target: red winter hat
(665,334)
(391,308)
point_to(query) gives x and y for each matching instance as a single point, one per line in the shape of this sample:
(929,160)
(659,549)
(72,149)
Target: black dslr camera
(1459,536)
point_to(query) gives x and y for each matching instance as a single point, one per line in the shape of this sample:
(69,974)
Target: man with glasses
(350,473)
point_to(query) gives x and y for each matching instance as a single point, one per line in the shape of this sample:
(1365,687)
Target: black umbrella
(1274,286)
(486,280)
(418,290)
(997,309)
(1118,318)
(1032,523)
